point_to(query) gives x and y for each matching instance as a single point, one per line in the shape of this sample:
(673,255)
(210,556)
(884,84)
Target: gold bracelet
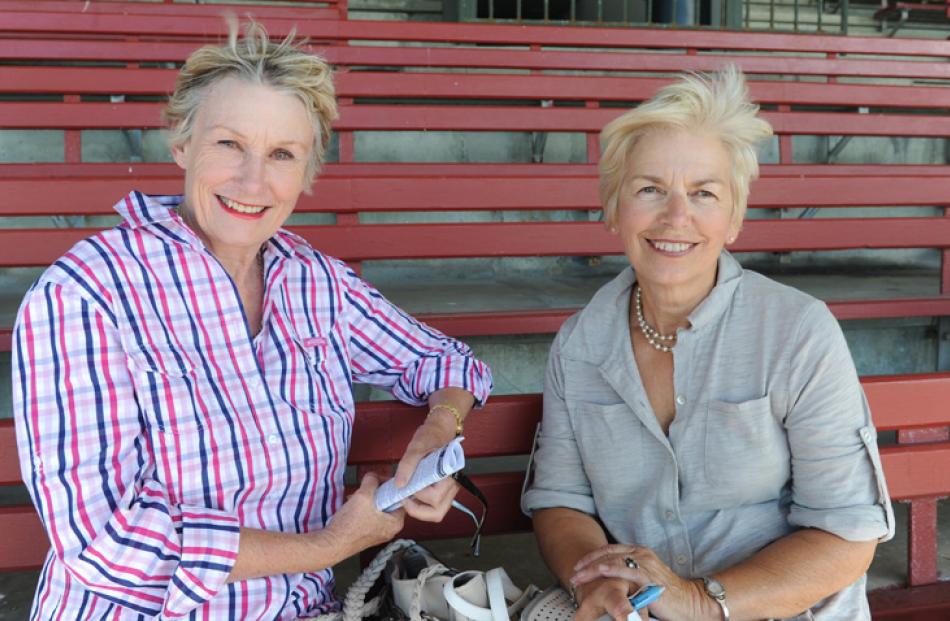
(455,412)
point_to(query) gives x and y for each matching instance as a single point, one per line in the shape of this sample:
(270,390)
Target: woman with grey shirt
(705,418)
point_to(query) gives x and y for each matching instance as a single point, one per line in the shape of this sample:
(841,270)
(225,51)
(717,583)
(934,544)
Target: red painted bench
(899,403)
(377,94)
(204,16)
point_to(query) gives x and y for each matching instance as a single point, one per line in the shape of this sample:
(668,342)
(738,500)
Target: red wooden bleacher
(425,87)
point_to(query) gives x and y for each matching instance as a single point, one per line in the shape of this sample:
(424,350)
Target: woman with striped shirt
(182,382)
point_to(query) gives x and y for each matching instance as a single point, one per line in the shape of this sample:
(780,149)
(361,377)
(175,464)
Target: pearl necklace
(651,334)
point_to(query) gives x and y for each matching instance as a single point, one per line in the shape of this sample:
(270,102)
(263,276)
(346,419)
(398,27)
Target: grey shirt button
(273,438)
(670,515)
(680,399)
(680,559)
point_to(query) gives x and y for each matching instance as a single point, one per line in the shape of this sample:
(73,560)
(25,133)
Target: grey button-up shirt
(772,431)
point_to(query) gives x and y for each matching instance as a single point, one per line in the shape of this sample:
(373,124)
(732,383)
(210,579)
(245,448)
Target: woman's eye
(283,154)
(650,189)
(706,194)
(230,144)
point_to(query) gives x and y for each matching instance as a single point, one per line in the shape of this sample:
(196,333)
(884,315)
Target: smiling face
(245,164)
(675,210)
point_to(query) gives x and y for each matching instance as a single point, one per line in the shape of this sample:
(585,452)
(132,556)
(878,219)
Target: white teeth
(672,246)
(240,207)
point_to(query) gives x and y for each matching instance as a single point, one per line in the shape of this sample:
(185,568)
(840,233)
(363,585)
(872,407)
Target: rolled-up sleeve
(392,350)
(557,471)
(837,481)
(85,458)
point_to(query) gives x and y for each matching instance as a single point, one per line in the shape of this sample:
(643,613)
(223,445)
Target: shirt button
(273,438)
(680,399)
(865,435)
(680,559)
(670,515)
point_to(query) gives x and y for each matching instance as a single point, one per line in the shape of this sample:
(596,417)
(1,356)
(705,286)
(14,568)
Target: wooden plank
(47,171)
(519,413)
(36,247)
(494,34)
(548,321)
(154,81)
(86,80)
(917,471)
(24,543)
(9,462)
(926,603)
(909,401)
(384,117)
(398,241)
(339,194)
(210,28)
(919,396)
(113,7)
(481,57)
(610,61)
(579,36)
(39,48)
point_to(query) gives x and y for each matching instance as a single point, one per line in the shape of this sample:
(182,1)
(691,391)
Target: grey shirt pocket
(747,457)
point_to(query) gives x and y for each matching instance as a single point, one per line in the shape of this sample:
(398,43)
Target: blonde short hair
(285,66)
(717,103)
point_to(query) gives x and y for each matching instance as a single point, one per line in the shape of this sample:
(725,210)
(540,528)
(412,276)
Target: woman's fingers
(616,548)
(596,599)
(618,606)
(609,569)
(620,563)
(432,503)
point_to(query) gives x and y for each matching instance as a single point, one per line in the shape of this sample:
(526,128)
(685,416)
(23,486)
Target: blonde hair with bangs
(717,103)
(285,66)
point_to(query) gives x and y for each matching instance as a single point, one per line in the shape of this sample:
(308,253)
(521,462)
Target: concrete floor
(518,554)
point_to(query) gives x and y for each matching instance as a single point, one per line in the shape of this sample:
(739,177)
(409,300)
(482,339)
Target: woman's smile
(671,248)
(240,210)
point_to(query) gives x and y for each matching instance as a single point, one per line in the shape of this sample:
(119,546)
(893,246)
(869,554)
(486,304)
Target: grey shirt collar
(598,337)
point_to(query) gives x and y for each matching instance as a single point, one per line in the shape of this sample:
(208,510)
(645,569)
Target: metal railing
(782,15)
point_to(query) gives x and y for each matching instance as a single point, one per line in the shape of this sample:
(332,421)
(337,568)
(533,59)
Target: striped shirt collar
(159,212)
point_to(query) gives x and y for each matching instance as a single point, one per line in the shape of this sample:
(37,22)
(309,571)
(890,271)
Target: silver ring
(631,562)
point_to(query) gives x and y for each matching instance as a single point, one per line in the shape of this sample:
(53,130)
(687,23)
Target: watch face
(714,589)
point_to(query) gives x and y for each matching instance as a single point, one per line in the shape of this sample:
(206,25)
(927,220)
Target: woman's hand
(682,599)
(601,596)
(432,503)
(359,525)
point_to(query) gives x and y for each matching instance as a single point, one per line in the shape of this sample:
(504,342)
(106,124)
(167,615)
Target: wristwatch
(715,590)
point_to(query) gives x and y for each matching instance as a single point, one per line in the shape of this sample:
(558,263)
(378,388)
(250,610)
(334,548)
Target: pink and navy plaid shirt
(152,426)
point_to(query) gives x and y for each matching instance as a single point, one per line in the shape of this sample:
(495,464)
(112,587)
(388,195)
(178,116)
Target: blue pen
(645,595)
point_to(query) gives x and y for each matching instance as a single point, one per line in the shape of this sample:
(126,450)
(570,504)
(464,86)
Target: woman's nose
(677,207)
(252,173)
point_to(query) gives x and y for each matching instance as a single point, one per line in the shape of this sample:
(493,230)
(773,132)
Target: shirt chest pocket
(746,449)
(323,384)
(166,388)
